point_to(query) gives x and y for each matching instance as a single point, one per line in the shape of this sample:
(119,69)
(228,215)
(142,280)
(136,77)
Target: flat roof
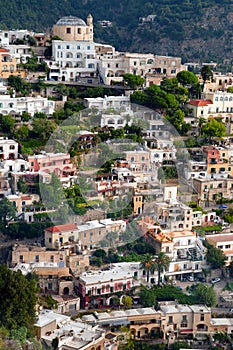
(223,237)
(115,272)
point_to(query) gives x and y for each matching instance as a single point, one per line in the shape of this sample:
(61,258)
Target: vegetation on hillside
(192,29)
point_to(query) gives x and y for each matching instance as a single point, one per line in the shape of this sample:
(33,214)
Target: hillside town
(116,188)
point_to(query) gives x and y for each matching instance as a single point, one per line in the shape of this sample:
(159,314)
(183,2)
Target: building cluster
(102,330)
(165,216)
(76,57)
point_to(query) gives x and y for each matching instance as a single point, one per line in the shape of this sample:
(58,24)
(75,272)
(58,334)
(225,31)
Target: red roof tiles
(62,228)
(200,103)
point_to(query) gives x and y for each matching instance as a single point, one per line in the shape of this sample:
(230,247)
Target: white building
(115,121)
(71,334)
(74,60)
(20,52)
(8,149)
(4,37)
(118,277)
(116,102)
(17,105)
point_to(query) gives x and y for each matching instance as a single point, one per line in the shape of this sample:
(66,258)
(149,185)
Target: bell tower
(90,26)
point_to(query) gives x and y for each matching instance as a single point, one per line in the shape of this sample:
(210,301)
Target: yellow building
(73,28)
(9,66)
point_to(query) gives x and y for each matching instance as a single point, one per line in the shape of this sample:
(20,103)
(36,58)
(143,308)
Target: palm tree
(148,265)
(161,262)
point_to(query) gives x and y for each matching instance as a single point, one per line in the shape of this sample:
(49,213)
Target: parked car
(190,278)
(215,280)
(202,279)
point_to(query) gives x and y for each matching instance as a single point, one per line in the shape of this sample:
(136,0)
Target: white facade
(222,101)
(196,170)
(115,102)
(17,105)
(20,52)
(115,121)
(8,149)
(4,37)
(73,60)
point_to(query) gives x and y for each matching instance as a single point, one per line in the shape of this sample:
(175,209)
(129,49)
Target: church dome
(70,21)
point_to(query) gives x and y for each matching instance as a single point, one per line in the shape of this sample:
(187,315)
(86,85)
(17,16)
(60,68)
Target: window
(68,30)
(227,246)
(135,63)
(184,321)
(37,258)
(21,258)
(78,47)
(202,317)
(170,319)
(88,47)
(132,159)
(50,240)
(59,47)
(67,47)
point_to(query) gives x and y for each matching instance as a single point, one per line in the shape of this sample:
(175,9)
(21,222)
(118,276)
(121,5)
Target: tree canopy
(215,257)
(7,210)
(213,128)
(206,73)
(17,299)
(187,78)
(132,80)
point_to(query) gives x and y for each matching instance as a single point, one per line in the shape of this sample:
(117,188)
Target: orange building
(9,66)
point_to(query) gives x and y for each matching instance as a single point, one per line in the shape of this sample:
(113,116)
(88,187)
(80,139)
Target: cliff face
(200,29)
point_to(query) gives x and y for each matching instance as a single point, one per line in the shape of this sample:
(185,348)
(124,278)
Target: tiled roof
(3,50)
(62,228)
(200,103)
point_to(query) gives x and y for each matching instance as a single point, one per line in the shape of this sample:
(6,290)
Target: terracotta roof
(3,50)
(26,198)
(200,103)
(62,228)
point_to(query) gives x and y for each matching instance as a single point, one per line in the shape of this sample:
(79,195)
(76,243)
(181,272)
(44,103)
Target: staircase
(194,254)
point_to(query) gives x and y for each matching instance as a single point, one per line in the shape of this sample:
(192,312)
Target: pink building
(58,163)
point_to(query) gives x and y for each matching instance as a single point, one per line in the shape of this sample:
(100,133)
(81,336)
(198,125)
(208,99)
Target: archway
(66,291)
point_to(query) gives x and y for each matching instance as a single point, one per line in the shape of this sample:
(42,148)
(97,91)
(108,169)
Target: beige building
(210,190)
(74,28)
(113,66)
(170,321)
(56,280)
(223,242)
(88,234)
(69,257)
